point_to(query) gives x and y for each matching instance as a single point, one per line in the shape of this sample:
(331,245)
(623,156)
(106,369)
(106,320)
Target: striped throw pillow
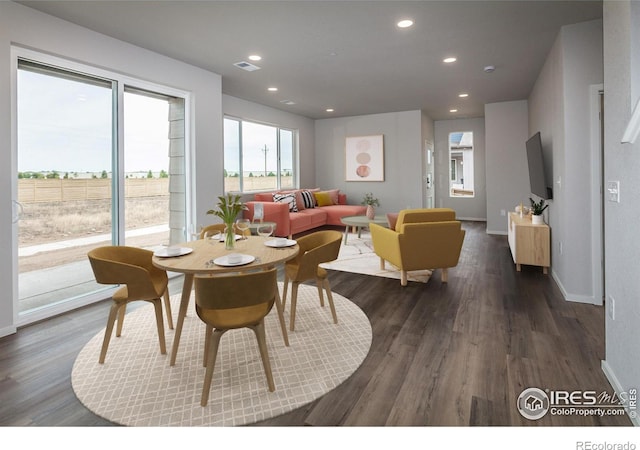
(308,199)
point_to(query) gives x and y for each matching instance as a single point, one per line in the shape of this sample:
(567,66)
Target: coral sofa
(312,208)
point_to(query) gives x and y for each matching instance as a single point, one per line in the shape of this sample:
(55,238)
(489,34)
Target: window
(461,164)
(258,157)
(286,159)
(153,167)
(100,160)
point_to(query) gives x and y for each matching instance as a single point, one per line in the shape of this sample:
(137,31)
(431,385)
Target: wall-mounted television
(535,160)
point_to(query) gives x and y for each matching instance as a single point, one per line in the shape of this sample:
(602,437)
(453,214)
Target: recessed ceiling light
(255,57)
(272,89)
(405,23)
(463,95)
(453,110)
(329,109)
(449,60)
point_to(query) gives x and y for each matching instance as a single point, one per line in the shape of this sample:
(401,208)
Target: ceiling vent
(288,102)
(246,66)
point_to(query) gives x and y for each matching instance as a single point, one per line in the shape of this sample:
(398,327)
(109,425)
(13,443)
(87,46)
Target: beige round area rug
(137,387)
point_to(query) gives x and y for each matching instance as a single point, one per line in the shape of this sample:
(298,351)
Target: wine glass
(213,239)
(243,226)
(265,230)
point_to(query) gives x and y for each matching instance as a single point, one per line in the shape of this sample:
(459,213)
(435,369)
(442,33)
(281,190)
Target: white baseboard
(497,232)
(615,384)
(6,331)
(472,219)
(588,299)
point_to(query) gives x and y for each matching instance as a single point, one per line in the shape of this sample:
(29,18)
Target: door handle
(17,210)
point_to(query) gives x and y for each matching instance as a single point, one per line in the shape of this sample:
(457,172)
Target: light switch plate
(613,191)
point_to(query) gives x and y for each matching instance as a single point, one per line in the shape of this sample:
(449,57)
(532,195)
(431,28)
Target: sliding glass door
(99,162)
(65,146)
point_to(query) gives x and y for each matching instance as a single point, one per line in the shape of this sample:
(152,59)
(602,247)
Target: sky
(65,126)
(255,137)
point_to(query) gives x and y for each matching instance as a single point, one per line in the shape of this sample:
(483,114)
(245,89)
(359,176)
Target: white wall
(25,27)
(507,130)
(244,109)
(634,50)
(471,208)
(622,163)
(559,107)
(546,115)
(582,67)
(403,149)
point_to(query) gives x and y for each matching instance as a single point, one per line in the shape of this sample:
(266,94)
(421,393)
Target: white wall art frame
(364,158)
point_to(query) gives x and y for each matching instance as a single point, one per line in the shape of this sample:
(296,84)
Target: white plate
(224,261)
(163,253)
(274,243)
(220,237)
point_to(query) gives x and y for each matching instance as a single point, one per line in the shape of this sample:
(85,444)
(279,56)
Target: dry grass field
(43,223)
(258,183)
(52,221)
(56,221)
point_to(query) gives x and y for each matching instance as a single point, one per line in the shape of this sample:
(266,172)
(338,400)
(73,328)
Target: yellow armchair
(422,239)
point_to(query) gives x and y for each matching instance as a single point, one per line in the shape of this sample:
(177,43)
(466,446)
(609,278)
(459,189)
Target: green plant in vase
(370,201)
(229,207)
(537,208)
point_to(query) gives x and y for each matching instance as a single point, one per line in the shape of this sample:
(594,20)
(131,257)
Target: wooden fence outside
(37,190)
(59,190)
(232,184)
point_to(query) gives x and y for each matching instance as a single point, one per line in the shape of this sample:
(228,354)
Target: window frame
(278,131)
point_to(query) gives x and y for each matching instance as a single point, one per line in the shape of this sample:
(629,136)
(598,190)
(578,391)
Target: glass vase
(229,237)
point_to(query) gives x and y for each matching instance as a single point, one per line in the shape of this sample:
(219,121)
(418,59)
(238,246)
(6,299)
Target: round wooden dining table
(200,261)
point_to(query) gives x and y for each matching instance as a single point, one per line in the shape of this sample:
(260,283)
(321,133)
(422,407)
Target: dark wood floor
(442,354)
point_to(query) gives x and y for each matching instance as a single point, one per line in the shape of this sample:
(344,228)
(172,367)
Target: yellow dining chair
(315,248)
(212,230)
(229,302)
(132,267)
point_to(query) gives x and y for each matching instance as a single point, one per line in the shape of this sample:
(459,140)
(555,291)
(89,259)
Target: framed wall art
(364,158)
